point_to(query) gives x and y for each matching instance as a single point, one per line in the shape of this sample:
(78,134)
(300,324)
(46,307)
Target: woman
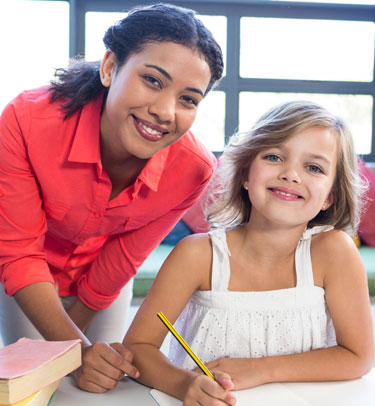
(94,172)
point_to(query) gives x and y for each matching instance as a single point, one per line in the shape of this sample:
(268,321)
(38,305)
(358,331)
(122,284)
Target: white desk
(358,392)
(127,393)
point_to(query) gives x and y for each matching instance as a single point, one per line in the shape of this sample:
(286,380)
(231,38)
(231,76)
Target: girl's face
(291,183)
(152,99)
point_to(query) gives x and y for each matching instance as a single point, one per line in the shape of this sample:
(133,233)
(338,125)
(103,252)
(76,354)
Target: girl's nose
(163,108)
(290,175)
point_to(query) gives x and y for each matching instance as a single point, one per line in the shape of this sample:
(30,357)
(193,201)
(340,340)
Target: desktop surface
(357,392)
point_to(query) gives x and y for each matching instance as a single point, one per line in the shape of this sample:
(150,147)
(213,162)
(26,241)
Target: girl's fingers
(224,380)
(212,390)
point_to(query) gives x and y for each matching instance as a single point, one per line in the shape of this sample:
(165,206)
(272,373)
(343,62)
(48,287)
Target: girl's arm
(345,283)
(186,269)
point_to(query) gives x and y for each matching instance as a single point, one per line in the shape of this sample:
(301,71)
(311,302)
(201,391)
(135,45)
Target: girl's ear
(328,202)
(107,68)
(245,185)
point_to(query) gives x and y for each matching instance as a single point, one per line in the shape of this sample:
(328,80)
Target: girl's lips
(285,194)
(149,131)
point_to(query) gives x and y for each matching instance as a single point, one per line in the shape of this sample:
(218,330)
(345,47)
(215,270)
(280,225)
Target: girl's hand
(205,391)
(245,372)
(103,366)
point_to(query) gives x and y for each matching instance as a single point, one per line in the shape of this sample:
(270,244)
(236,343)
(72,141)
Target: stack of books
(32,370)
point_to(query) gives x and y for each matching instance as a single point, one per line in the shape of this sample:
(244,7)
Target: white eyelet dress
(221,323)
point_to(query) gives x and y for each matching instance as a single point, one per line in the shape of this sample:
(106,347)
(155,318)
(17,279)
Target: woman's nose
(163,108)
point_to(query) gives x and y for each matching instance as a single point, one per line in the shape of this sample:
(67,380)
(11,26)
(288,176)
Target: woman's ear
(107,68)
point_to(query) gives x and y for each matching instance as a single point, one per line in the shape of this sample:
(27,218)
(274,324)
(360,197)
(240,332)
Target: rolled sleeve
(23,272)
(22,219)
(122,255)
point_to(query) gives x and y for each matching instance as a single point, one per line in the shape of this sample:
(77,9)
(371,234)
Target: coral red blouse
(57,223)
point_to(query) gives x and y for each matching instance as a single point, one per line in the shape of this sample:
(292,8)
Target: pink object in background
(366,229)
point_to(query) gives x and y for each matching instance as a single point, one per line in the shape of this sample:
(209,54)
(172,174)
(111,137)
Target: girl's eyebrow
(321,158)
(310,156)
(169,77)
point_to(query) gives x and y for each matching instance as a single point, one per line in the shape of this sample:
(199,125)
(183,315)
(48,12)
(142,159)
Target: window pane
(97,24)
(278,48)
(209,123)
(356,2)
(35,41)
(355,110)
(218,26)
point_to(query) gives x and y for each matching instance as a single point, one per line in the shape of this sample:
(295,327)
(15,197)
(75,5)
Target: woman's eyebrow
(161,70)
(169,77)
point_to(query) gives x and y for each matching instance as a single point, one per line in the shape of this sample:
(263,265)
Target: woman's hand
(103,366)
(244,372)
(205,391)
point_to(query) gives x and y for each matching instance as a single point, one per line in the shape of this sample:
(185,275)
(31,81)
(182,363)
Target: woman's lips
(149,131)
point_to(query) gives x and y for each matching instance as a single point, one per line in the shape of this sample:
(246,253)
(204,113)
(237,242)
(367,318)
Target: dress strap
(305,276)
(220,273)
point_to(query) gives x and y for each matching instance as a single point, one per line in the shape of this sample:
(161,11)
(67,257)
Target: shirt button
(96,214)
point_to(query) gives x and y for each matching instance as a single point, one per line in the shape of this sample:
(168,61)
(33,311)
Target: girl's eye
(152,80)
(314,168)
(272,158)
(189,100)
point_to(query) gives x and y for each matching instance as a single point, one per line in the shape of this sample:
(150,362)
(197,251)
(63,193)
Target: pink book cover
(25,355)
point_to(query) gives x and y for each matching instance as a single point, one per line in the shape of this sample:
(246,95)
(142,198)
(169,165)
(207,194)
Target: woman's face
(152,99)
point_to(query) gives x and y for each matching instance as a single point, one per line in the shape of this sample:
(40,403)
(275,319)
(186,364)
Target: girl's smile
(285,194)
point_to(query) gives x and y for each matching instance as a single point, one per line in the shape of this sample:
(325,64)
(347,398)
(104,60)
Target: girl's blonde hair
(228,203)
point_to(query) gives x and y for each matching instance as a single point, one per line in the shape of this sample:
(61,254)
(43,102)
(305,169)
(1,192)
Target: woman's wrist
(80,314)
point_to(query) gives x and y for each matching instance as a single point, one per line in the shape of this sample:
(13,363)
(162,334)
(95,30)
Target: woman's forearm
(41,304)
(80,314)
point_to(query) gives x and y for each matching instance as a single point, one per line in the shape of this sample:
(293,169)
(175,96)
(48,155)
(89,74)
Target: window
(275,50)
(34,41)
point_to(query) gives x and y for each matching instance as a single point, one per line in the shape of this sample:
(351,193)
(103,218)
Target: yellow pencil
(185,346)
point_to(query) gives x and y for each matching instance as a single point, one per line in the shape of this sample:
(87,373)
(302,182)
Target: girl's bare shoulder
(334,252)
(333,241)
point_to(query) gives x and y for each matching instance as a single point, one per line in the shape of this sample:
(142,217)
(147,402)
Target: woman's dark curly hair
(81,82)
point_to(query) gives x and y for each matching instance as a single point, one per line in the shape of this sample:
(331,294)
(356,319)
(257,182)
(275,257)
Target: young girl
(277,291)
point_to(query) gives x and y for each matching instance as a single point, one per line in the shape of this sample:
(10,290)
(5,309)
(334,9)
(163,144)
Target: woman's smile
(149,131)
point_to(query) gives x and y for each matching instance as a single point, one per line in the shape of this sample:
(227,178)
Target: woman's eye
(314,168)
(272,158)
(152,80)
(189,100)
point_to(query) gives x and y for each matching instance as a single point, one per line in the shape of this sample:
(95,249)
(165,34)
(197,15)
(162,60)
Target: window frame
(232,84)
